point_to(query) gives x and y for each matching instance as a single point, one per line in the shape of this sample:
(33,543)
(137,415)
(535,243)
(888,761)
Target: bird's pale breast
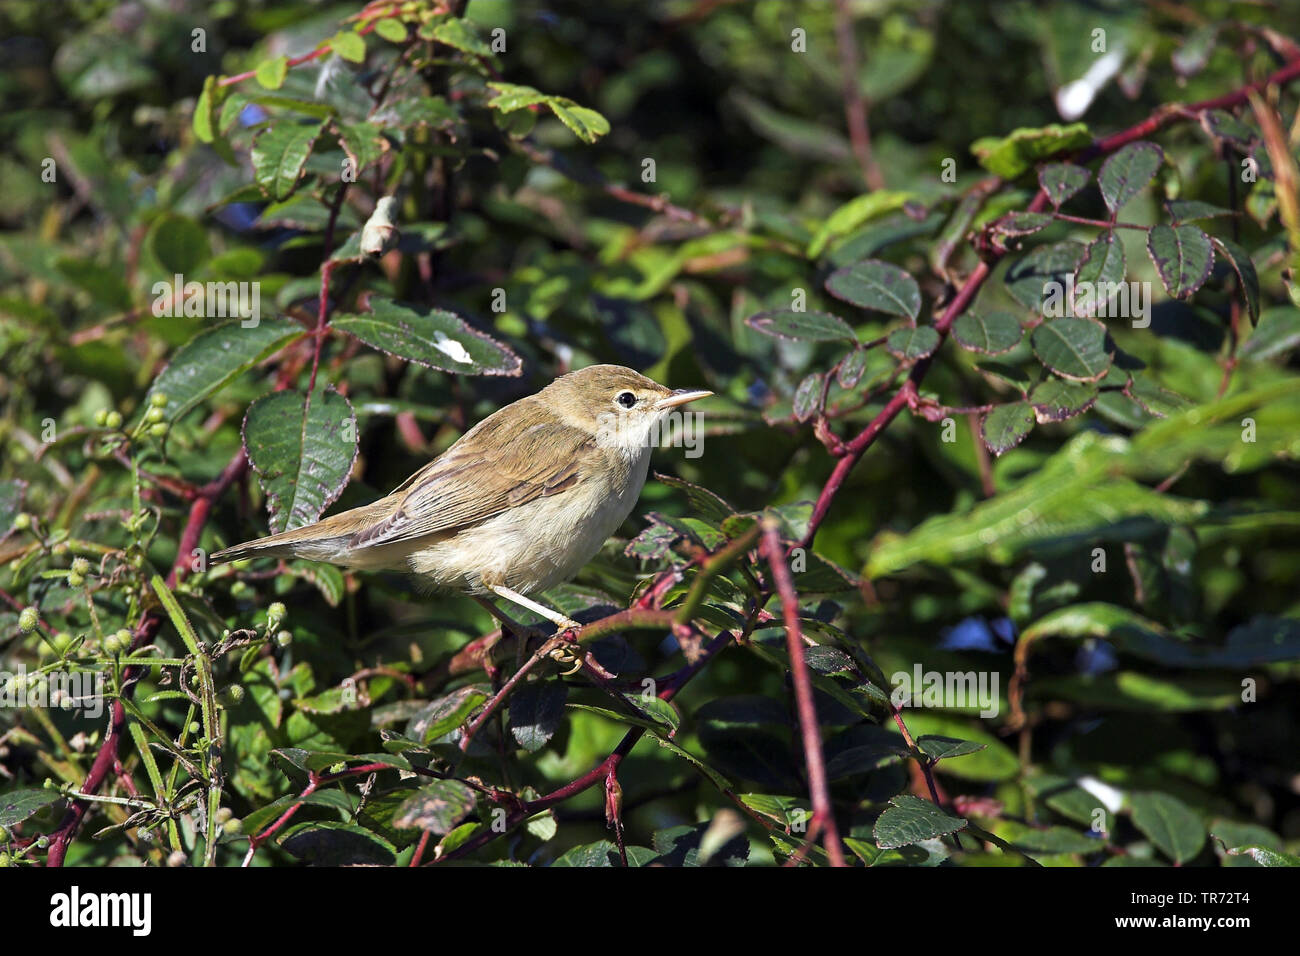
(537,545)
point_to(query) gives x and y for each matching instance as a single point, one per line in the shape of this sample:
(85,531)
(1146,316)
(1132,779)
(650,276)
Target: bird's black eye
(626,399)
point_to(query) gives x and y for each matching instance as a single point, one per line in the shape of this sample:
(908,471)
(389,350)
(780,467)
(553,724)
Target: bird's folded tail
(329,540)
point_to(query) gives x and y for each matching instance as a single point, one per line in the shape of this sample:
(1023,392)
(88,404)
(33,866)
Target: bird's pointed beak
(681,397)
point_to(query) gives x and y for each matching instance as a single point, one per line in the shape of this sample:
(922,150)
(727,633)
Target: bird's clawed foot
(567,652)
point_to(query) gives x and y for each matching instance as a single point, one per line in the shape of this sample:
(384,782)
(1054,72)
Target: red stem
(818,784)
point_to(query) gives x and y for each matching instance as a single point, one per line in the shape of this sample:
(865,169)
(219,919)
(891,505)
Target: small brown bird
(519,504)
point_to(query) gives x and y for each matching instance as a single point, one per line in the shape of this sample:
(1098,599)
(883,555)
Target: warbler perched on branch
(519,504)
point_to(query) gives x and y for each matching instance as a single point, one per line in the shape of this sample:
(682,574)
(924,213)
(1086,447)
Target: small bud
(154,414)
(283,639)
(275,616)
(118,642)
(158,399)
(233,827)
(101,417)
(158,430)
(113,420)
(233,694)
(194,727)
(61,641)
(28,619)
(177,858)
(22,521)
(80,566)
(76,580)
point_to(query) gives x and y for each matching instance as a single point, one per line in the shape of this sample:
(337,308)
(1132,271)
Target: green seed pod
(154,414)
(158,399)
(76,580)
(101,417)
(28,619)
(275,615)
(80,566)
(113,420)
(158,430)
(22,522)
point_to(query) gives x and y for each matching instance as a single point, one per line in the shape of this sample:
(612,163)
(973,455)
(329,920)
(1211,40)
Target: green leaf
(271,73)
(852,368)
(440,717)
(1127,172)
(391,29)
(510,97)
(1102,263)
(853,214)
(1073,495)
(879,286)
(329,843)
(363,142)
(437,807)
(602,853)
(207,109)
(1276,333)
(1061,181)
(1223,125)
(809,326)
(325,578)
(302,450)
(456,33)
(1187,210)
(179,244)
(1009,156)
(280,156)
(1028,279)
(586,124)
(991,334)
(1043,840)
(349,45)
(430,337)
(1006,426)
(1168,823)
(17,805)
(1072,348)
(536,711)
(912,820)
(940,748)
(1183,255)
(703,501)
(213,358)
(1265,856)
(807,397)
(1021,223)
(1160,402)
(1247,279)
(1056,400)
(912,343)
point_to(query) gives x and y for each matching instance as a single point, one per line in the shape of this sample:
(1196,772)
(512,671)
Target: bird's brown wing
(501,463)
